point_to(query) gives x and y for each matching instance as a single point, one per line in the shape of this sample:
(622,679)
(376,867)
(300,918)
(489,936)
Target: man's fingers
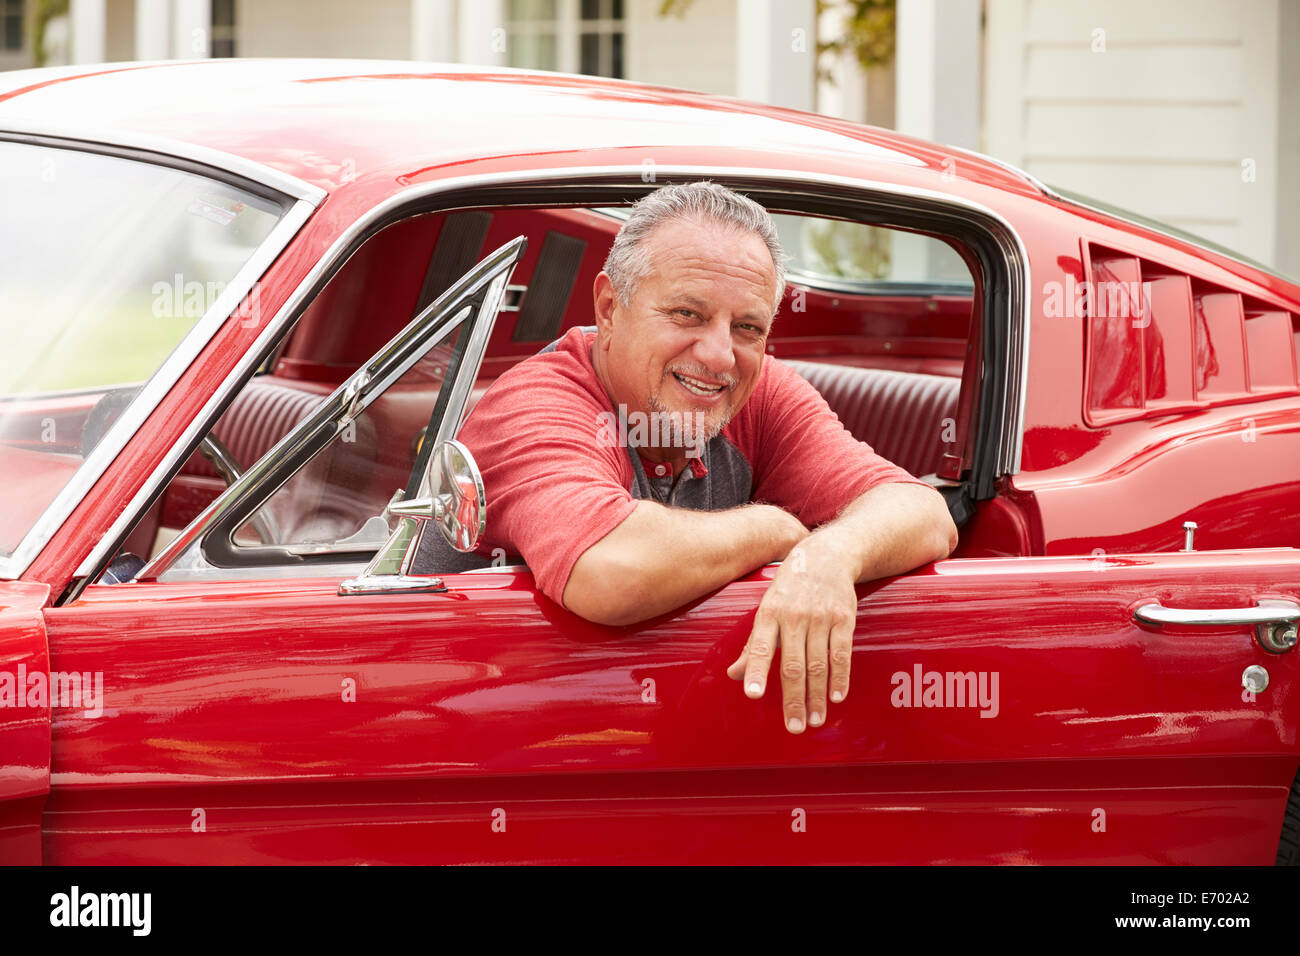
(737,669)
(759,650)
(794,676)
(818,666)
(841,654)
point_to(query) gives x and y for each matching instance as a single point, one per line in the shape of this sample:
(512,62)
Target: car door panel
(25,706)
(491,725)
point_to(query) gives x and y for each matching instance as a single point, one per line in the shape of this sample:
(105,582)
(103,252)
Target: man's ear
(604,304)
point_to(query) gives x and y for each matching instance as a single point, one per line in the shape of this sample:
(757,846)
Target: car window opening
(877,319)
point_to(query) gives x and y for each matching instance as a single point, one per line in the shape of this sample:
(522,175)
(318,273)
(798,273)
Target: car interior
(878,319)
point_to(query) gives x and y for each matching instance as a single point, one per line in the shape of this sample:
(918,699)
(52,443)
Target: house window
(11,24)
(223,28)
(601,38)
(532,34)
(572,36)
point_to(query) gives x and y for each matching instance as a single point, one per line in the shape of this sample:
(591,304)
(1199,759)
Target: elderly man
(727,458)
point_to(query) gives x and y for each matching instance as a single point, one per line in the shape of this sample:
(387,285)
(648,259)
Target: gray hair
(628,261)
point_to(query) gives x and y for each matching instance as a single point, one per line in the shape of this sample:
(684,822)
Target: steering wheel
(114,401)
(224,463)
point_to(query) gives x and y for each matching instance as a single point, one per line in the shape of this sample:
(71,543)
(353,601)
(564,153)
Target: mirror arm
(460,515)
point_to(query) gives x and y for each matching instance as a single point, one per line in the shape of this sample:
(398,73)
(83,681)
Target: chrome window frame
(165,152)
(299,200)
(1015,360)
(1029,178)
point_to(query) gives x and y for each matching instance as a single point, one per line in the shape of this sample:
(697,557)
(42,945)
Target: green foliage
(868,32)
(847,250)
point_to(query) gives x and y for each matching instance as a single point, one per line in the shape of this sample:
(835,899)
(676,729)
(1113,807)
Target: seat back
(260,415)
(899,414)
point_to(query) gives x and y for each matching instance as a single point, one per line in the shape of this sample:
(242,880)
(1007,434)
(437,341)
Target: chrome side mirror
(456,503)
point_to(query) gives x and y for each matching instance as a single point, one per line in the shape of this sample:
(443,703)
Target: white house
(1187,111)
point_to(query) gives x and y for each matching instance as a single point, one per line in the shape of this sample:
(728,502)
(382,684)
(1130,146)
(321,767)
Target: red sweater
(555,485)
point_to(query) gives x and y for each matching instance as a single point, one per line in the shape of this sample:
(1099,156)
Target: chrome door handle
(1275,621)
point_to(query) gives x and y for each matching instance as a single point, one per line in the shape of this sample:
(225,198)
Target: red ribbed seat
(899,414)
(260,416)
(327,499)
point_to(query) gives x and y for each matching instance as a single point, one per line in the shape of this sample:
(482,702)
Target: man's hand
(810,609)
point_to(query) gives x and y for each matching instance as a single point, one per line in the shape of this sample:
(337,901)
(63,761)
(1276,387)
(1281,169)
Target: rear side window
(859,256)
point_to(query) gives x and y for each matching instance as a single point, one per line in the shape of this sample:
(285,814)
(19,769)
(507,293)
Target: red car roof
(330,122)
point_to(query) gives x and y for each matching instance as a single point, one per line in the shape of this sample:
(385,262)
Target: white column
(568,57)
(776,51)
(433,30)
(1004,80)
(191,29)
(844,95)
(1288,140)
(87,20)
(914,55)
(152,30)
(1261,54)
(938,70)
(482,32)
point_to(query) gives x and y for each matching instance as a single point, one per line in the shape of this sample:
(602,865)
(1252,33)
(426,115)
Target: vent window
(1160,341)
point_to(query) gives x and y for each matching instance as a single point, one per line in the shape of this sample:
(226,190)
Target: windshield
(105,265)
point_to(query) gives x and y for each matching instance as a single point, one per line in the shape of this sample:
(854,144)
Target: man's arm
(659,558)
(810,609)
(890,529)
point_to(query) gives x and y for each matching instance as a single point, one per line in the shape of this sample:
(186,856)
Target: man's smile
(701,388)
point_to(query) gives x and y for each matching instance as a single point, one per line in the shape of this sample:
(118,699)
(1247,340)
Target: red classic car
(246,302)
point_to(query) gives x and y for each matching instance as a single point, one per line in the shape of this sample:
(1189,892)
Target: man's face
(691,340)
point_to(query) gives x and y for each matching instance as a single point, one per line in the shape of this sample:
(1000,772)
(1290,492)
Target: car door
(280,722)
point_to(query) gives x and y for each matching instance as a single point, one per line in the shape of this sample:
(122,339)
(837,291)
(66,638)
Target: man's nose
(713,347)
